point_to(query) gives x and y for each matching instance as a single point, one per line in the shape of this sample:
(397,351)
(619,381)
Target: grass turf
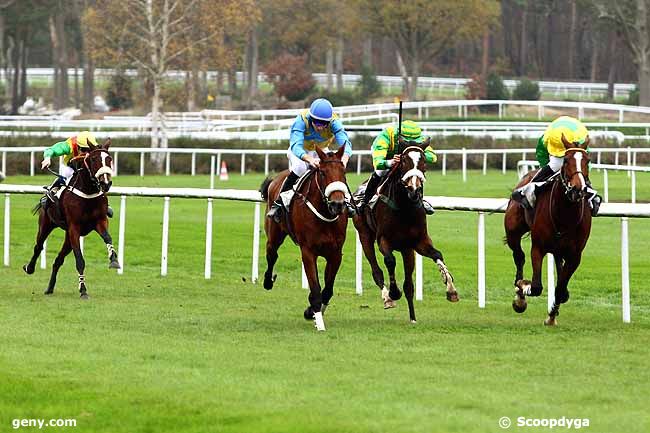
(185,354)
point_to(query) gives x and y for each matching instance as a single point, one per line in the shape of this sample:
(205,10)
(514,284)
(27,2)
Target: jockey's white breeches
(297,165)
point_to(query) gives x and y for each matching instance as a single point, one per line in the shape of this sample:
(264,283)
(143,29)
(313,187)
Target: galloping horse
(80,209)
(316,222)
(398,223)
(559,224)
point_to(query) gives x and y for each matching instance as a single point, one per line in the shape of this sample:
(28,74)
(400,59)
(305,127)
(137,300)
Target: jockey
(71,148)
(550,155)
(384,155)
(318,126)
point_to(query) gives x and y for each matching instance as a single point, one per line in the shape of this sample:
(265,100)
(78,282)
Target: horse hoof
(268,282)
(84,296)
(389,303)
(519,305)
(114,265)
(308,314)
(48,292)
(395,294)
(28,270)
(550,321)
(453,297)
(413,321)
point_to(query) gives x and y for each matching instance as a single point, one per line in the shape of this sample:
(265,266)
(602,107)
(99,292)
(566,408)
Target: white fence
(479,205)
(456,84)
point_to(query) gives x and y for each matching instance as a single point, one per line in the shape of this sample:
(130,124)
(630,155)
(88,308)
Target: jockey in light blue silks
(318,126)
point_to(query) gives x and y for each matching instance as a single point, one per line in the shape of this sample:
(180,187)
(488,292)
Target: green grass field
(184,354)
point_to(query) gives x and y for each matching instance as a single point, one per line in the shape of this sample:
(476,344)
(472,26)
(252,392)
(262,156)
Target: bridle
(325,194)
(566,181)
(94,178)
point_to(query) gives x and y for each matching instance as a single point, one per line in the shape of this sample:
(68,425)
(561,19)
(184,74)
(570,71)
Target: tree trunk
(339,64)
(402,72)
(22,97)
(219,82)
(413,85)
(11,46)
(572,41)
(523,45)
(593,75)
(644,80)
(367,52)
(254,67)
(56,56)
(63,60)
(232,81)
(485,58)
(190,91)
(77,96)
(156,103)
(329,68)
(88,83)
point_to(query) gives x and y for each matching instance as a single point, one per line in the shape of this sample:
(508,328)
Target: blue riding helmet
(321,109)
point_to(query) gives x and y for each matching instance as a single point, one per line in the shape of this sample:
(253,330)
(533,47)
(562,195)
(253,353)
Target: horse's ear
(339,153)
(585,145)
(320,153)
(91,146)
(107,144)
(567,144)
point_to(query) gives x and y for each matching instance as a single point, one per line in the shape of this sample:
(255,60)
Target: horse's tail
(264,188)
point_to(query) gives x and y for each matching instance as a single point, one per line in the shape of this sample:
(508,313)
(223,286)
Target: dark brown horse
(80,209)
(398,223)
(559,224)
(316,222)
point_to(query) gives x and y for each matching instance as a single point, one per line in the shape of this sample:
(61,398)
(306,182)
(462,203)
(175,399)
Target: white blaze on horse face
(414,174)
(578,158)
(105,170)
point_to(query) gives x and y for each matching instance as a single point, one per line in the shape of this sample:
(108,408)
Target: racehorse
(398,223)
(80,209)
(316,222)
(559,224)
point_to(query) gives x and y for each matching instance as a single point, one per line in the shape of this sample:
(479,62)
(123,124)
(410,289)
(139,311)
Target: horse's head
(99,164)
(575,169)
(331,175)
(412,166)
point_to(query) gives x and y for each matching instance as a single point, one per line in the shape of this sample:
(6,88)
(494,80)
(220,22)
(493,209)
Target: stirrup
(428,209)
(109,212)
(275,212)
(520,197)
(352,211)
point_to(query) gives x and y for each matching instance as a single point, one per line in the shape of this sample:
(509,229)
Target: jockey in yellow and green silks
(550,152)
(73,147)
(317,126)
(384,155)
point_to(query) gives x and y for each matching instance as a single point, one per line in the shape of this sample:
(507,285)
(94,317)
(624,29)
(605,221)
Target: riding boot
(50,191)
(277,206)
(526,194)
(109,212)
(371,190)
(594,199)
(428,209)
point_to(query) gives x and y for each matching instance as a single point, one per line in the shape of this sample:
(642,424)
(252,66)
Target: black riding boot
(525,195)
(50,191)
(276,207)
(371,189)
(109,211)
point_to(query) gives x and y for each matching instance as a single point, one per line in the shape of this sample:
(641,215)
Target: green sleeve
(429,155)
(380,151)
(58,149)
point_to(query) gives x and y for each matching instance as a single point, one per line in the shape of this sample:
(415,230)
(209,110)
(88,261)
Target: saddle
(52,206)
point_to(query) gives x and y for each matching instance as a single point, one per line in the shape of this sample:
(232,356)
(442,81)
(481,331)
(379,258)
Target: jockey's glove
(46,163)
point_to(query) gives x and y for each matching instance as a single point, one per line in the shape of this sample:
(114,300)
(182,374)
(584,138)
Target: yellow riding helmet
(573,130)
(85,138)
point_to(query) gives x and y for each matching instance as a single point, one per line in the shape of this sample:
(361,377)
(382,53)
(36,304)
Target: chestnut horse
(316,222)
(559,224)
(80,209)
(398,223)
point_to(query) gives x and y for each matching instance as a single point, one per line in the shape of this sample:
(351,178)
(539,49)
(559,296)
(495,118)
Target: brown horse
(80,209)
(316,222)
(559,224)
(398,223)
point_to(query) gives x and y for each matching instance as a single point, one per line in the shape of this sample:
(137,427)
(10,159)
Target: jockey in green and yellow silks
(550,152)
(73,147)
(384,155)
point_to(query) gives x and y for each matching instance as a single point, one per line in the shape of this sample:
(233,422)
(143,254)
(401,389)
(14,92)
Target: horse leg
(367,238)
(313,311)
(74,234)
(393,293)
(425,248)
(102,229)
(45,227)
(275,237)
(561,289)
(58,262)
(408,257)
(513,238)
(331,269)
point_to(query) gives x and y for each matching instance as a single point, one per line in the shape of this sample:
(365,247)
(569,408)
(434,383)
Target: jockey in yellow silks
(318,126)
(550,155)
